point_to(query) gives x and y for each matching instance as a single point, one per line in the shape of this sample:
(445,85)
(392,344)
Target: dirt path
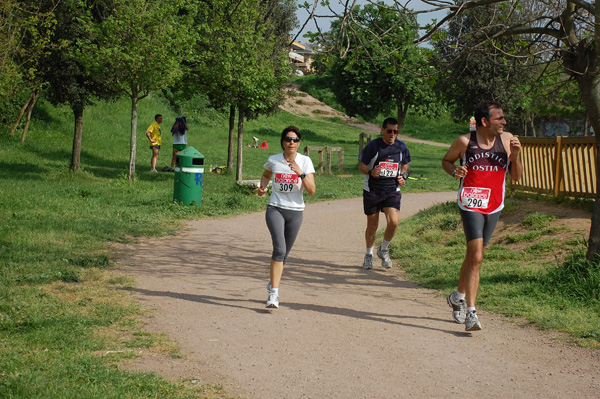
(340,332)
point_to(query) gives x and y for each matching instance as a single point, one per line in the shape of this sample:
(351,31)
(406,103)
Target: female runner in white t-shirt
(291,173)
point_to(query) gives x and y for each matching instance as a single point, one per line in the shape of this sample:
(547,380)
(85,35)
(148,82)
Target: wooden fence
(328,150)
(559,166)
(362,138)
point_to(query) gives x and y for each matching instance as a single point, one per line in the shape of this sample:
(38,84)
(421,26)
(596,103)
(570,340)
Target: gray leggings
(284,226)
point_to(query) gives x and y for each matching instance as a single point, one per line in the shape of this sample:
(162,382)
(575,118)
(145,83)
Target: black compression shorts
(479,225)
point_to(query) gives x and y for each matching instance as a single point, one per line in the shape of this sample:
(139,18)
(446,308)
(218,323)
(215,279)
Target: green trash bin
(189,177)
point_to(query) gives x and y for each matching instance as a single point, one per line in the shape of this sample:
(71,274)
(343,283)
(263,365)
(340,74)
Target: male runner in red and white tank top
(486,156)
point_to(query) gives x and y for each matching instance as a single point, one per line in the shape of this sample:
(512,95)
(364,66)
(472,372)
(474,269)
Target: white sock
(274,290)
(471,309)
(384,245)
(370,251)
(458,295)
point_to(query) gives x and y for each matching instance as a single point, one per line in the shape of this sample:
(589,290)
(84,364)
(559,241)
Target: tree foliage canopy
(140,43)
(69,81)
(505,69)
(241,54)
(486,72)
(26,29)
(379,69)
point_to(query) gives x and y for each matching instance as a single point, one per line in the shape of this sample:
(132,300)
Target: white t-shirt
(286,184)
(179,138)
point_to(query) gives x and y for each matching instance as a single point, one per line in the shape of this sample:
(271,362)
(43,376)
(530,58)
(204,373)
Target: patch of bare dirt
(303,104)
(568,225)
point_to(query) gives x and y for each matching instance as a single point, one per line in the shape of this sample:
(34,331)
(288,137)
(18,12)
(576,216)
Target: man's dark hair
(389,121)
(157,116)
(483,111)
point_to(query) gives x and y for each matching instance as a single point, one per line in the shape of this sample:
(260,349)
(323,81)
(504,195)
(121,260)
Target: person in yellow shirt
(153,134)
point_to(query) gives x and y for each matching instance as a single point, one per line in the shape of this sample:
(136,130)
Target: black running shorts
(375,201)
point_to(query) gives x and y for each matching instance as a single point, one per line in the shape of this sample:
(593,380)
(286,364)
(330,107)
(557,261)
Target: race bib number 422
(285,182)
(388,169)
(475,197)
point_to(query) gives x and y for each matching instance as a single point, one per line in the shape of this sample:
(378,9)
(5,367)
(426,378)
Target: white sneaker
(273,300)
(472,322)
(385,258)
(368,262)
(153,171)
(459,309)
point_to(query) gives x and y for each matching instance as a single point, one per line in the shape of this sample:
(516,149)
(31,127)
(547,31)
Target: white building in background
(301,56)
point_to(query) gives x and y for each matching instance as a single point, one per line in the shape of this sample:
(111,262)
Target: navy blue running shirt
(390,158)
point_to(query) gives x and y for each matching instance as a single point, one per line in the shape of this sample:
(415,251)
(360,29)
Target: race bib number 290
(475,197)
(285,182)
(388,169)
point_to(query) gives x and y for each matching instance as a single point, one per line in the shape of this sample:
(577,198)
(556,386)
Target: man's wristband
(454,172)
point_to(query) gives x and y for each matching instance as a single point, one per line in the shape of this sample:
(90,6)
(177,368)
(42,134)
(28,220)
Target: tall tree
(25,37)
(487,72)
(500,70)
(379,69)
(69,81)
(241,60)
(139,45)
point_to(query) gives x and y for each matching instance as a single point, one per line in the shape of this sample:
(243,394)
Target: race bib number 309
(388,169)
(285,182)
(475,197)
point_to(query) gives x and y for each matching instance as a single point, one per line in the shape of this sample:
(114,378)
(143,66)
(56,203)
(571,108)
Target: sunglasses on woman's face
(294,139)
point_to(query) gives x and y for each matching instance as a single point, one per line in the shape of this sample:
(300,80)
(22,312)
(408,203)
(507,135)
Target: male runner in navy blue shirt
(384,161)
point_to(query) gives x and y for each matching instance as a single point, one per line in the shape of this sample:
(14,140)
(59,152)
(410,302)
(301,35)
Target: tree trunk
(77,135)
(133,145)
(240,145)
(36,95)
(12,131)
(231,138)
(533,130)
(402,111)
(586,125)
(590,92)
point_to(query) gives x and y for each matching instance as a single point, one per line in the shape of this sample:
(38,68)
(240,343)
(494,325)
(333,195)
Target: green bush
(577,278)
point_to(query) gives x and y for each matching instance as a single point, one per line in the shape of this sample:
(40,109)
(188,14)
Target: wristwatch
(303,175)
(453,172)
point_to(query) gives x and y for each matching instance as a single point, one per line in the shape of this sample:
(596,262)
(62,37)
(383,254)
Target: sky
(337,5)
